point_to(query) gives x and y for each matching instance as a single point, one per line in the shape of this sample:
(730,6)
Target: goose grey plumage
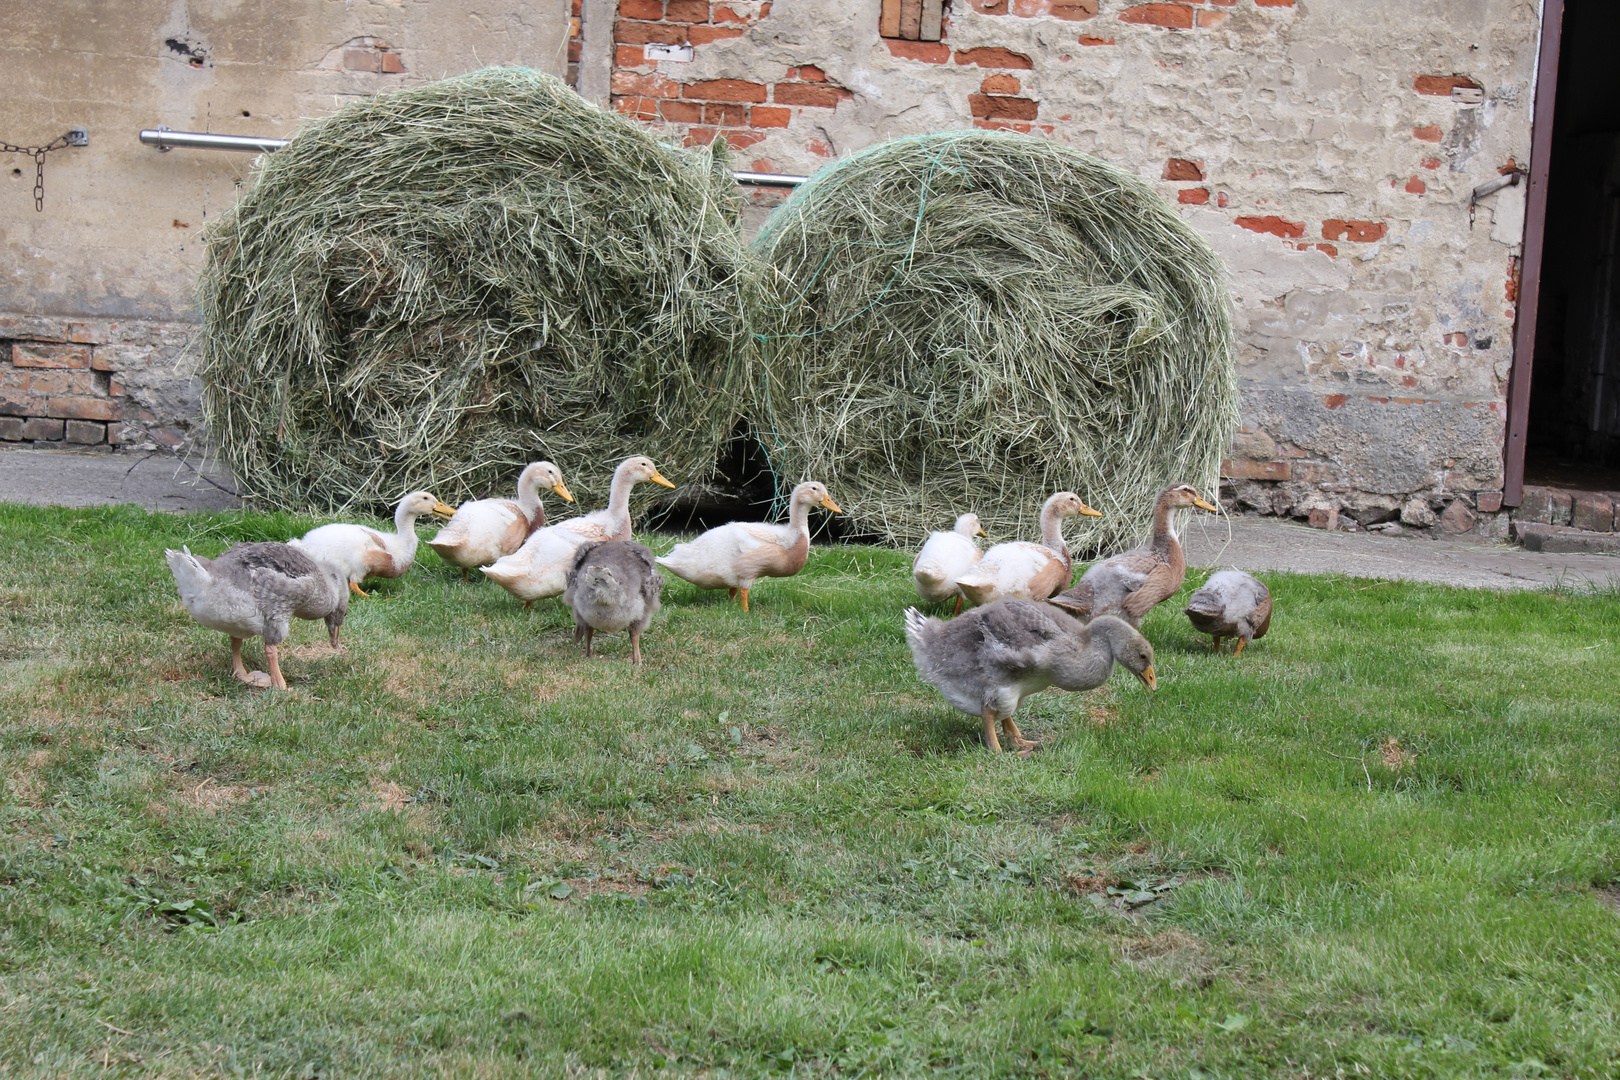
(1231,604)
(987,661)
(256,590)
(613,586)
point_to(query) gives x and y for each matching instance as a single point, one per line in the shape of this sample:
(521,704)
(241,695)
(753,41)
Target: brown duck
(1130,584)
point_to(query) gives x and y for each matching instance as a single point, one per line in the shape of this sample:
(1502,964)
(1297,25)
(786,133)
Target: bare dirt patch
(1395,757)
(1171,954)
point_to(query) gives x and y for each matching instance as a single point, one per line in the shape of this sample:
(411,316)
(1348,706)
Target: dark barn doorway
(1572,431)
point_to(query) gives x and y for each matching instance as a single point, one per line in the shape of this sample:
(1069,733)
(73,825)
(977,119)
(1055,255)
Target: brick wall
(96,382)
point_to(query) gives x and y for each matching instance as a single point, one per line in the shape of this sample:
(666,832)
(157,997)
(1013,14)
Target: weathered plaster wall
(110,264)
(1317,145)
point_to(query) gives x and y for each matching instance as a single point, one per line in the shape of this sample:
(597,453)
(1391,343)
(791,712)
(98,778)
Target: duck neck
(1085,662)
(1165,540)
(799,517)
(405,528)
(618,506)
(1052,531)
(529,496)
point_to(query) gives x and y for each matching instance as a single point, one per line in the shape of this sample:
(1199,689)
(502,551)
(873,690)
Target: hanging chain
(76,137)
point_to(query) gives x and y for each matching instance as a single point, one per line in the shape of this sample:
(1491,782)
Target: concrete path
(161,481)
(157,480)
(1249,543)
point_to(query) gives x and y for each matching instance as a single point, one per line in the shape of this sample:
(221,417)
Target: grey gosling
(255,590)
(613,585)
(987,661)
(1231,604)
(1131,584)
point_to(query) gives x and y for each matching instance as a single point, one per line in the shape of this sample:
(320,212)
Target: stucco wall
(111,262)
(1317,145)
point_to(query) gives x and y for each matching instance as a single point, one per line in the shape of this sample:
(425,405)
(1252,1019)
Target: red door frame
(1535,223)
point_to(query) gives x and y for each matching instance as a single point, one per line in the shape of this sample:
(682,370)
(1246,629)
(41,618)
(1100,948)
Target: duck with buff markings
(1131,584)
(944,557)
(361,551)
(256,590)
(734,556)
(483,530)
(1023,570)
(613,586)
(1231,604)
(989,660)
(539,568)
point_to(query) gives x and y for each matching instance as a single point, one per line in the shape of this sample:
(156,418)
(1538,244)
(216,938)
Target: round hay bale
(972,321)
(431,287)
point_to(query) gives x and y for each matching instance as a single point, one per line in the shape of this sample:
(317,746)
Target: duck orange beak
(1089,512)
(1202,505)
(562,491)
(441,510)
(659,478)
(827,503)
(1148,678)
(983,533)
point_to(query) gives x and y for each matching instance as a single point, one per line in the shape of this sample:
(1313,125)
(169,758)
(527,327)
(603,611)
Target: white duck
(944,557)
(482,530)
(539,568)
(1023,570)
(361,551)
(255,590)
(734,556)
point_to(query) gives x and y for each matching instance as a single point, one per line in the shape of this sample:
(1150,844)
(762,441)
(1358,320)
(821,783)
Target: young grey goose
(613,586)
(255,590)
(1231,604)
(1130,584)
(987,661)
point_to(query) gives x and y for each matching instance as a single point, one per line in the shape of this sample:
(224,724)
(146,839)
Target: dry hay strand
(431,287)
(974,320)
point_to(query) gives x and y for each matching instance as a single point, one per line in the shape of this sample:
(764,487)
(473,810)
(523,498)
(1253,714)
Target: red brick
(1327,249)
(742,140)
(1415,186)
(1171,16)
(1087,39)
(11,428)
(725,115)
(576,49)
(1441,85)
(1182,169)
(641,9)
(392,64)
(703,35)
(38,427)
(85,432)
(819,147)
(765,116)
(929,52)
(1002,108)
(646,33)
(694,11)
(1207,19)
(64,382)
(1334,401)
(808,73)
(722,13)
(1362,232)
(1431,163)
(82,408)
(1256,470)
(628,56)
(681,112)
(1592,512)
(1272,224)
(20,403)
(651,85)
(702,136)
(995,58)
(1074,10)
(820,97)
(642,108)
(1001,84)
(1428,133)
(725,90)
(362,60)
(1488,502)
(35,354)
(1196,196)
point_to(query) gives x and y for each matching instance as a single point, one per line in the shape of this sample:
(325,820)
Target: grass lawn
(1384,842)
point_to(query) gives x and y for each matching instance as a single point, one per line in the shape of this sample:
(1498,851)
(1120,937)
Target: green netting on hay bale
(971,321)
(431,287)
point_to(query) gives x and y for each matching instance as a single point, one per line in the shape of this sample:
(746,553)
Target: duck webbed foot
(256,679)
(1016,737)
(272,660)
(355,588)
